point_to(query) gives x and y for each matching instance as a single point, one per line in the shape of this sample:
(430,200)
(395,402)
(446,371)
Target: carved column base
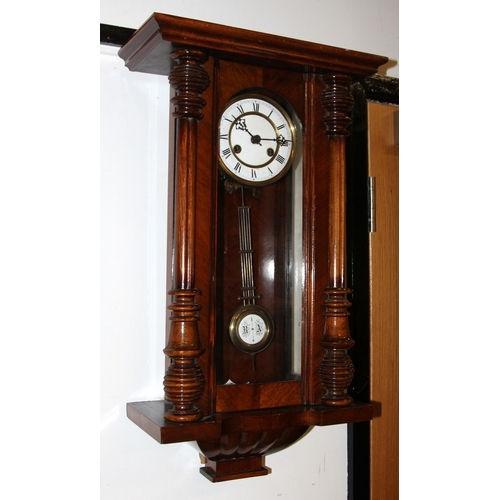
(184,381)
(183,385)
(336,370)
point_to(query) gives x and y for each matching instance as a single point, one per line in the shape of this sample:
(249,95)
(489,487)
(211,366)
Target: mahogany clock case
(216,394)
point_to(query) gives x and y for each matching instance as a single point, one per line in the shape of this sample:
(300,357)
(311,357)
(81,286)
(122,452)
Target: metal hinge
(371,205)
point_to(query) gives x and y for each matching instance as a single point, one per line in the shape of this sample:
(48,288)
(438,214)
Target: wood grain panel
(384,242)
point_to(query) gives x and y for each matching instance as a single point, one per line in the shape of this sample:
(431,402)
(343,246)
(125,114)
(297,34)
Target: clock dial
(256,140)
(251,328)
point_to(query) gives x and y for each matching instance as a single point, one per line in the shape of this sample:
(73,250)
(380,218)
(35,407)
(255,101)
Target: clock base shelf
(148,415)
(234,444)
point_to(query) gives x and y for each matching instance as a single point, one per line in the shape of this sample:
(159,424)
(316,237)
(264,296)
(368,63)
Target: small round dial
(256,140)
(251,328)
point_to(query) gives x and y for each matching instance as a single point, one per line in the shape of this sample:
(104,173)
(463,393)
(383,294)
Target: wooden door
(383,167)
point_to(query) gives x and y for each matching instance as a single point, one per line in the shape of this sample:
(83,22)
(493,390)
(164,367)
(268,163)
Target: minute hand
(280,140)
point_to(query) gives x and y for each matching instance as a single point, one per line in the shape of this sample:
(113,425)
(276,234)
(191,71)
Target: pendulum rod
(248,295)
(246,253)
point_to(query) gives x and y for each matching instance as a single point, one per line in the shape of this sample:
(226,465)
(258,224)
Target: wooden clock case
(236,425)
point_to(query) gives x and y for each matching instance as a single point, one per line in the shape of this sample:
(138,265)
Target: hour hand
(240,124)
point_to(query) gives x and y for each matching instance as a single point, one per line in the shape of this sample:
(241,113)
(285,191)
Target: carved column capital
(189,80)
(337,102)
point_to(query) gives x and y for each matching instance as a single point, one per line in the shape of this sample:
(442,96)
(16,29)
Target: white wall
(134,155)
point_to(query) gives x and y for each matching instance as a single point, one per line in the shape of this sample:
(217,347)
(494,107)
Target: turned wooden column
(184,380)
(336,369)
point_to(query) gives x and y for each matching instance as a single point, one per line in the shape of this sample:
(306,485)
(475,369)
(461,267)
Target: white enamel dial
(256,140)
(251,328)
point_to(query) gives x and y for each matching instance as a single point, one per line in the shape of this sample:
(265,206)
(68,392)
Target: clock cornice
(149,48)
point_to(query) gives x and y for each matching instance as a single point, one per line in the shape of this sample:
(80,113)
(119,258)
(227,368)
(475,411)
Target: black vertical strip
(359,274)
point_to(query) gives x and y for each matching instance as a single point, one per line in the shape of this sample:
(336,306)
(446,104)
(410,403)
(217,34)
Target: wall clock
(258,333)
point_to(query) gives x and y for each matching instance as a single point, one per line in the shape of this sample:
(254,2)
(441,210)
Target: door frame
(365,472)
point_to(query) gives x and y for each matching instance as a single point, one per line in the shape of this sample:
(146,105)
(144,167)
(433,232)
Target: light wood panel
(384,332)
